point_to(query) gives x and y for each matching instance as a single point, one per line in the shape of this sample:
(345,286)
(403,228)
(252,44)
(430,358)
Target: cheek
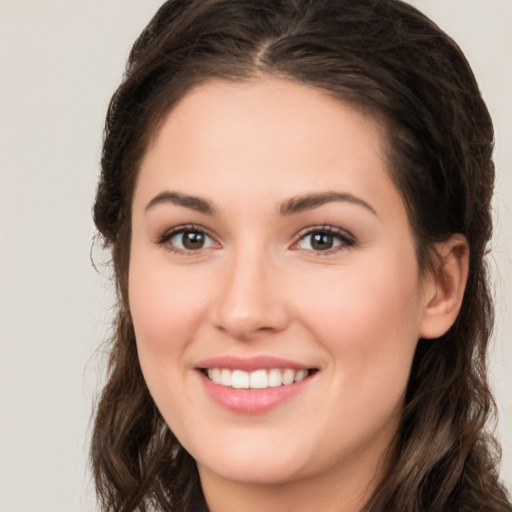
(367,321)
(164,304)
(363,299)
(367,317)
(166,308)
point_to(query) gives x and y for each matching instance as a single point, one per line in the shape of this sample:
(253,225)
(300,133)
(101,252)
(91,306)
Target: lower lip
(252,401)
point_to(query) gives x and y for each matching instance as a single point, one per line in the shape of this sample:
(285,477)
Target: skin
(258,287)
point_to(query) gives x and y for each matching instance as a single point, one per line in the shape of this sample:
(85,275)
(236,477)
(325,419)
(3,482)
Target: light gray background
(60,60)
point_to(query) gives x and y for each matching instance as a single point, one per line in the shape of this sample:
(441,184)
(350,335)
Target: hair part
(389,61)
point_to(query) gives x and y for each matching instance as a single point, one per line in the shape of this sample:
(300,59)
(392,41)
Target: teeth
(300,375)
(288,377)
(225,377)
(216,374)
(274,378)
(239,379)
(258,379)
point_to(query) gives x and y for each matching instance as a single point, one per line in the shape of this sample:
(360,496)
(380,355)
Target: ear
(444,287)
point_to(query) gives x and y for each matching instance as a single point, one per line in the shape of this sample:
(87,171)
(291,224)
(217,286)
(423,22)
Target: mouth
(254,385)
(262,378)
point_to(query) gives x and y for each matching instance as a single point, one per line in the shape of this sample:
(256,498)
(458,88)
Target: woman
(296,194)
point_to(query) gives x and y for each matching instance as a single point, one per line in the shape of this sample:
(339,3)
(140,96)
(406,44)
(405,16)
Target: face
(273,283)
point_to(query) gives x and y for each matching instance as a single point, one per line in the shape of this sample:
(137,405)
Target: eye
(324,239)
(187,239)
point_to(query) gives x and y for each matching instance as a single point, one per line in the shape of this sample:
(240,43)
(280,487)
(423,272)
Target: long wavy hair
(388,60)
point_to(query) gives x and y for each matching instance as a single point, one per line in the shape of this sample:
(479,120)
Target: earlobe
(444,290)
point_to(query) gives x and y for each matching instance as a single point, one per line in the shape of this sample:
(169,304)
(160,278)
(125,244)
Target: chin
(254,472)
(254,464)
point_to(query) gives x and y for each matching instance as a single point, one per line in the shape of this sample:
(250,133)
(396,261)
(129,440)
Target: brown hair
(387,59)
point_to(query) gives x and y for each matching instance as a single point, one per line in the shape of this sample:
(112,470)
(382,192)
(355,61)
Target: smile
(257,379)
(254,385)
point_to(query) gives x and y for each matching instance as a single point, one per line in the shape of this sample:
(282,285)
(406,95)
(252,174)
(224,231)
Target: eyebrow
(291,206)
(192,202)
(306,202)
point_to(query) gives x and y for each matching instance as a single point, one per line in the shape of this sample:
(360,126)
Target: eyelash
(345,239)
(166,237)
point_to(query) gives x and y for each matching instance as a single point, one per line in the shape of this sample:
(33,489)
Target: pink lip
(250,364)
(252,401)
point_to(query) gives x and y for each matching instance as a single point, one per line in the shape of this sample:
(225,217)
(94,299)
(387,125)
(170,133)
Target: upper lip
(251,363)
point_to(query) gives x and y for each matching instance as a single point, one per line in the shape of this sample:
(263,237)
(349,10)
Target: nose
(252,300)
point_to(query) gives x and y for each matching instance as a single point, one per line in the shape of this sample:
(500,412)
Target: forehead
(264,138)
(263,104)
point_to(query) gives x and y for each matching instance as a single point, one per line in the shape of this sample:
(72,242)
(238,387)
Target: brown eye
(187,240)
(192,240)
(321,240)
